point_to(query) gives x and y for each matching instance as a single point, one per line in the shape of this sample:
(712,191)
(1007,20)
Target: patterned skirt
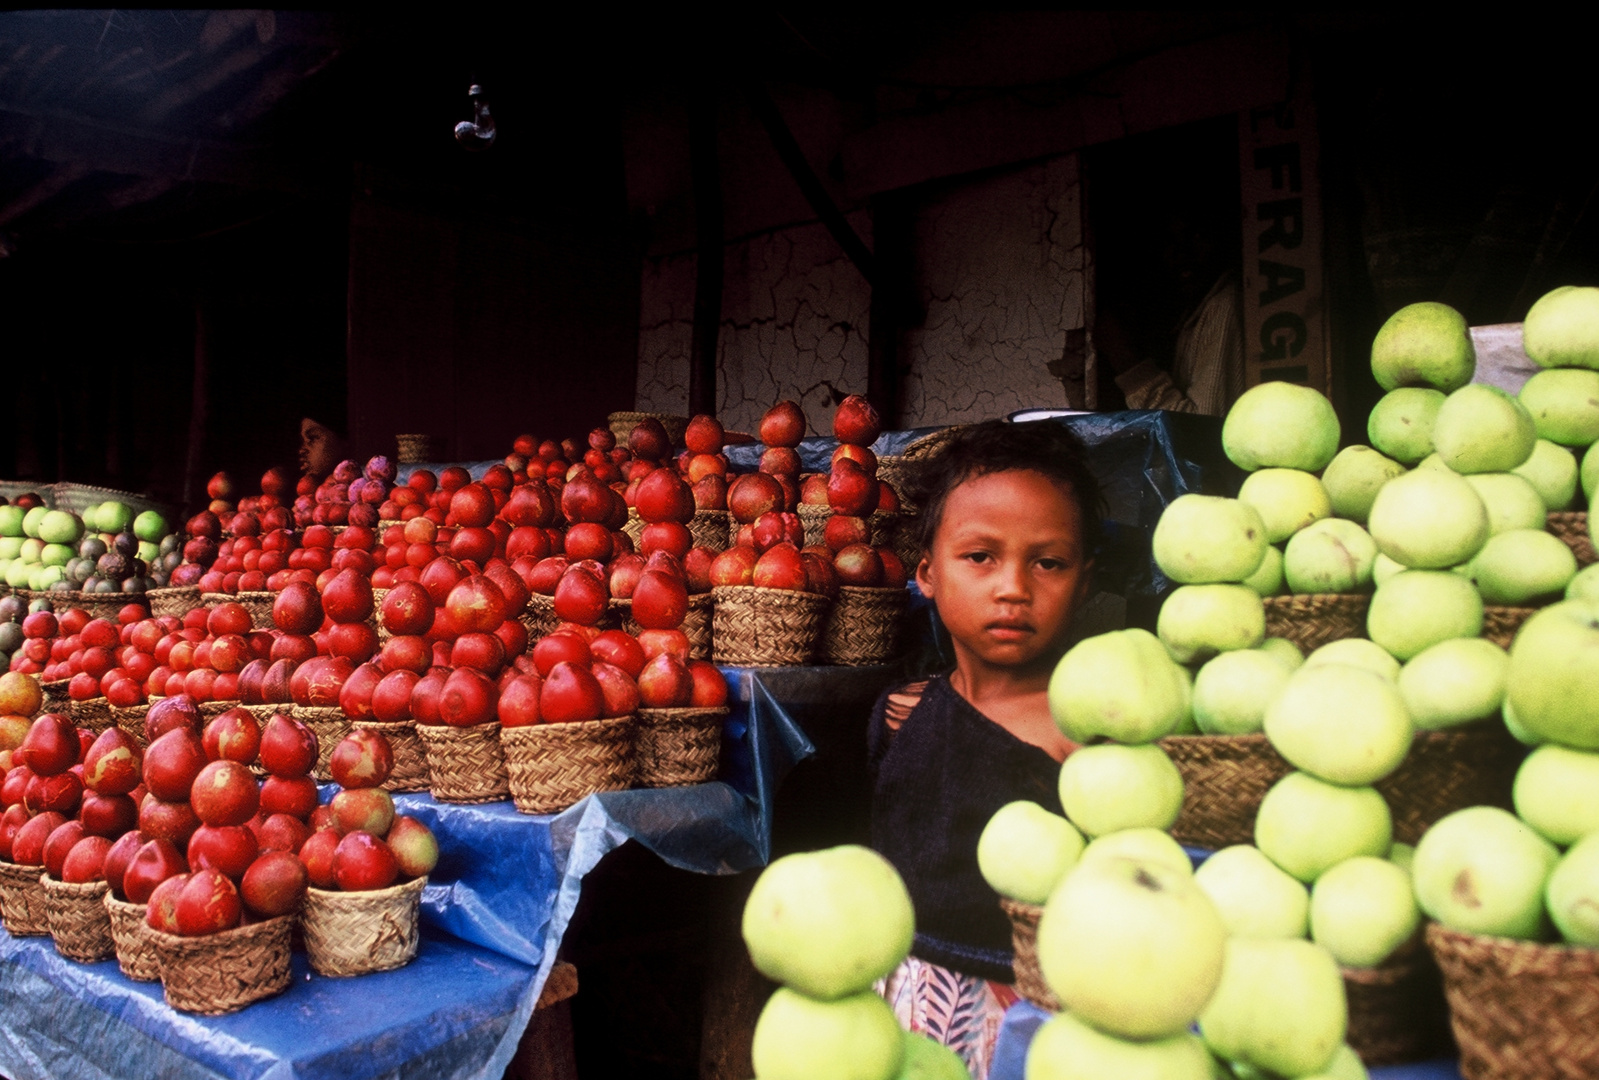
(961,1011)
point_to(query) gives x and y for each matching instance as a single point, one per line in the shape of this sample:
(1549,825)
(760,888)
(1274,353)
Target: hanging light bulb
(478,132)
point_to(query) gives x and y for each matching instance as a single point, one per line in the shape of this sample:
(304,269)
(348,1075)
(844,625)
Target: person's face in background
(320,448)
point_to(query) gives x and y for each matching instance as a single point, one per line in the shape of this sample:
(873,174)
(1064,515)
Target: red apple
(317,855)
(364,809)
(894,573)
(296,796)
(174,821)
(468,697)
(225,793)
(671,642)
(753,494)
(783,425)
(704,435)
(119,858)
(391,700)
(58,844)
(415,848)
(113,764)
(570,694)
(851,489)
(859,565)
(476,604)
(229,849)
(172,762)
(288,747)
(780,568)
(27,847)
(425,696)
(362,759)
(362,863)
(856,421)
(282,832)
(51,745)
(618,687)
(665,683)
(61,793)
(86,861)
(108,815)
(518,705)
(274,884)
(169,714)
(208,904)
(710,686)
(660,602)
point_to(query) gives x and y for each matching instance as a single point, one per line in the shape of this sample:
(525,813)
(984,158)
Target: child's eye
(1052,564)
(976,556)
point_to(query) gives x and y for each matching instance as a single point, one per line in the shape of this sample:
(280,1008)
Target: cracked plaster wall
(1000,270)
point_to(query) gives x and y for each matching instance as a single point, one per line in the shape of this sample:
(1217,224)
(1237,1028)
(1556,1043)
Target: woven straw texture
(1520,1011)
(465,764)
(222,973)
(677,747)
(130,722)
(633,526)
(895,471)
(539,618)
(1499,624)
(711,529)
(696,623)
(814,519)
(357,933)
(623,423)
(552,766)
(1572,527)
(378,596)
(1312,620)
(885,527)
(1447,771)
(1224,779)
(98,605)
(78,920)
(410,756)
(134,940)
(258,604)
(22,908)
(56,698)
(413,449)
(1396,1010)
(1024,943)
(177,600)
(863,625)
(210,710)
(766,627)
(94,714)
(330,725)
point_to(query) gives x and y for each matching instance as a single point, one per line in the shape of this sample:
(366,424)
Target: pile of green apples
(107,550)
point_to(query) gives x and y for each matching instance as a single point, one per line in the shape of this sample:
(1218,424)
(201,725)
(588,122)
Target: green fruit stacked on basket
(827,925)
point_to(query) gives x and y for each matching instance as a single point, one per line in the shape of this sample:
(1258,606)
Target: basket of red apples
(679,740)
(42,788)
(367,868)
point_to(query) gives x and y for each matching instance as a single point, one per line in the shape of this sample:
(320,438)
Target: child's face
(1007,569)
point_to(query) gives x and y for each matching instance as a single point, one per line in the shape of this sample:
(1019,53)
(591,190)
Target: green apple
(1562,328)
(1354,477)
(1345,1065)
(1306,825)
(1152,846)
(1254,896)
(1400,424)
(32,551)
(56,555)
(11,521)
(1383,568)
(1428,519)
(1588,473)
(851,1038)
(1552,471)
(1287,499)
(928,1059)
(1024,850)
(1232,691)
(1280,1006)
(1362,910)
(1268,579)
(1425,344)
(1065,1048)
(1198,621)
(1511,501)
(44,577)
(828,923)
(1555,793)
(115,517)
(1108,787)
(1333,555)
(1132,948)
(1522,567)
(1418,608)
(1280,425)
(1564,405)
(1572,894)
(1121,684)
(1433,461)
(1481,870)
(1583,586)
(150,526)
(32,519)
(1284,650)
(1481,428)
(17,574)
(1341,723)
(1403,856)
(60,527)
(1361,652)
(1203,539)
(1454,682)
(1553,680)
(1514,726)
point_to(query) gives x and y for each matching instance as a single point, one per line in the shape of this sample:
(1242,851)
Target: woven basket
(677,747)
(539,618)
(696,623)
(863,625)
(1024,943)
(711,529)
(357,933)
(1572,527)
(176,600)
(633,526)
(1313,619)
(99,605)
(134,940)
(465,764)
(413,449)
(410,771)
(623,423)
(766,627)
(130,722)
(22,905)
(552,766)
(210,710)
(895,471)
(1520,1010)
(1224,779)
(94,714)
(1396,1010)
(222,973)
(258,604)
(78,920)
(330,725)
(885,527)
(1450,770)
(56,696)
(1499,624)
(814,519)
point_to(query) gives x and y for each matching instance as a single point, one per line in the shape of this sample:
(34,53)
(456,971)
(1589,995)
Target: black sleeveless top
(936,782)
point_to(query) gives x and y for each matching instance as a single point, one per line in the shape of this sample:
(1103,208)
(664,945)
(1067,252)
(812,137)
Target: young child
(1010,521)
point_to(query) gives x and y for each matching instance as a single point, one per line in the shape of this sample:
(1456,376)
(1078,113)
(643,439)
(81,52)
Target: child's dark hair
(994,446)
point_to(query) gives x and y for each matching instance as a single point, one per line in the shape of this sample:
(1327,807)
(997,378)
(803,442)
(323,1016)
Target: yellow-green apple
(1280,1006)
(1482,870)
(1454,682)
(927,1059)
(1584,585)
(1132,948)
(1514,726)
(1342,723)
(1065,1048)
(1232,690)
(1306,825)
(1361,652)
(1284,650)
(1588,474)
(1400,424)
(1553,681)
(1107,787)
(1354,477)
(1572,895)
(1384,568)
(1024,850)
(1522,567)
(1480,428)
(1428,519)
(1267,580)
(852,1038)
(1418,608)
(1564,405)
(1562,328)
(1253,895)
(1552,471)
(1198,621)
(1152,846)
(1362,910)
(1202,539)
(1554,793)
(1281,425)
(1287,499)
(1122,685)
(1511,501)
(1402,856)
(1334,555)
(1423,344)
